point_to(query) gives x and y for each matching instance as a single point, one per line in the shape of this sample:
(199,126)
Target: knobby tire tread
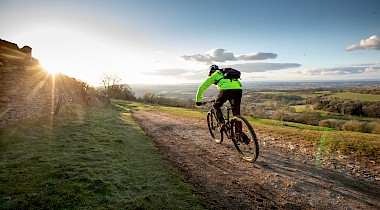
(211,117)
(255,142)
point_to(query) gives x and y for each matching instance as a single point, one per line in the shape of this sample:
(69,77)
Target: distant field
(302,108)
(303,95)
(273,92)
(356,96)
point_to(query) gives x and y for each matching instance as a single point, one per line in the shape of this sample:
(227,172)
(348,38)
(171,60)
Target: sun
(52,71)
(49,68)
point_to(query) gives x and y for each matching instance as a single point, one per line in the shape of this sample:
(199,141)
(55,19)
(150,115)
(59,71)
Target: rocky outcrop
(28,91)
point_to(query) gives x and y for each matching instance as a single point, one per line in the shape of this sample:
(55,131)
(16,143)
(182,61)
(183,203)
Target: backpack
(229,73)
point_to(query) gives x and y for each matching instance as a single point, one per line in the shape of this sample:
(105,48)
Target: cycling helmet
(213,68)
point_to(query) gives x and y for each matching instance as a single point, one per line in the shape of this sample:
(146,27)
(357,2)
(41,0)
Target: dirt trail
(277,180)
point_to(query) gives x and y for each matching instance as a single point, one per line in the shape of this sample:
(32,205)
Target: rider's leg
(235,101)
(219,101)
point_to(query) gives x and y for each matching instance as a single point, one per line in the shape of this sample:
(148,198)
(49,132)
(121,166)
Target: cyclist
(230,89)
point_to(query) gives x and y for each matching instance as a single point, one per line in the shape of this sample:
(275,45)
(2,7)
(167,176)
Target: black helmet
(213,68)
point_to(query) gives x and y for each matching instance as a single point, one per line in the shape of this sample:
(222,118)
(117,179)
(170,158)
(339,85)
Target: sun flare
(49,68)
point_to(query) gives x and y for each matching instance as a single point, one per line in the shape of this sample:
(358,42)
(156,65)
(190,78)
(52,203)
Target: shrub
(373,127)
(256,111)
(332,123)
(354,125)
(162,100)
(282,115)
(308,117)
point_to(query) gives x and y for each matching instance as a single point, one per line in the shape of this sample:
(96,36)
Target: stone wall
(28,91)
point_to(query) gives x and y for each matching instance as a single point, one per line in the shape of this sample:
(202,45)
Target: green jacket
(223,84)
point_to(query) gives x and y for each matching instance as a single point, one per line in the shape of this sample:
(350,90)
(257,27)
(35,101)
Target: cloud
(356,69)
(166,72)
(222,55)
(372,43)
(196,75)
(262,67)
(202,73)
(371,69)
(256,56)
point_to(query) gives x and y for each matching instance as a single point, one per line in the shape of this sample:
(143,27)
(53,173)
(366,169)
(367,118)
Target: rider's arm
(206,84)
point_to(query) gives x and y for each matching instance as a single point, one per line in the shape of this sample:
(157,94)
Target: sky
(175,41)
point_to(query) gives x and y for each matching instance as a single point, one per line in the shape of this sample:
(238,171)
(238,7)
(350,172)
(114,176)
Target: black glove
(198,103)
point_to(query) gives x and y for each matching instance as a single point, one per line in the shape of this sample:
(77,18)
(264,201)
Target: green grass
(355,144)
(98,159)
(312,95)
(272,92)
(198,114)
(356,96)
(292,125)
(301,94)
(302,108)
(332,115)
(128,106)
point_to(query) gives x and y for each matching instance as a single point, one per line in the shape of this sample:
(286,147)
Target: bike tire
(248,150)
(212,124)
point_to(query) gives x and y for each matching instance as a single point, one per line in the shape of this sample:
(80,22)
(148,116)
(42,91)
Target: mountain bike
(238,129)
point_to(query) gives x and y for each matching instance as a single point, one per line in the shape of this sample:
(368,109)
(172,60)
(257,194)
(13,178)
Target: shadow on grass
(101,160)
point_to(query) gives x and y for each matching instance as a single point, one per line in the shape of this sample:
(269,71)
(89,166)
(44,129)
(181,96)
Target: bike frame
(246,141)
(228,131)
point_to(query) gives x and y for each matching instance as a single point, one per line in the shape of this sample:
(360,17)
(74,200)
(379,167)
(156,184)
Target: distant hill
(188,91)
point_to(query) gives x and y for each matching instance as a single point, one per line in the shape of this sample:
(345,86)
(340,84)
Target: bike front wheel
(215,131)
(245,139)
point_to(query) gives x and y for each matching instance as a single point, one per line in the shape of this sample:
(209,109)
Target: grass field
(301,94)
(99,159)
(332,115)
(340,95)
(356,96)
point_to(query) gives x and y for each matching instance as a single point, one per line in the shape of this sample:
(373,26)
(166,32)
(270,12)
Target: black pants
(233,96)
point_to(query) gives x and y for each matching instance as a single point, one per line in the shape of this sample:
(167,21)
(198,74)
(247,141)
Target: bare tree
(112,88)
(109,81)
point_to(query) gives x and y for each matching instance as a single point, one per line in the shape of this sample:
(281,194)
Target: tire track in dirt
(278,179)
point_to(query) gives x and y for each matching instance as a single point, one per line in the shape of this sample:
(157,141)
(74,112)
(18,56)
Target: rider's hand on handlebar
(198,103)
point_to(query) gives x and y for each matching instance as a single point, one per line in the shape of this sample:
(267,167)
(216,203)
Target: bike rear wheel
(215,131)
(245,139)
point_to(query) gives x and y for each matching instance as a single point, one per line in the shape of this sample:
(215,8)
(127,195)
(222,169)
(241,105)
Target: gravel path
(283,177)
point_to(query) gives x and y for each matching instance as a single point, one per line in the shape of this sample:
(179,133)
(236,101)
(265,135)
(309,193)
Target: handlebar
(207,102)
(213,101)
